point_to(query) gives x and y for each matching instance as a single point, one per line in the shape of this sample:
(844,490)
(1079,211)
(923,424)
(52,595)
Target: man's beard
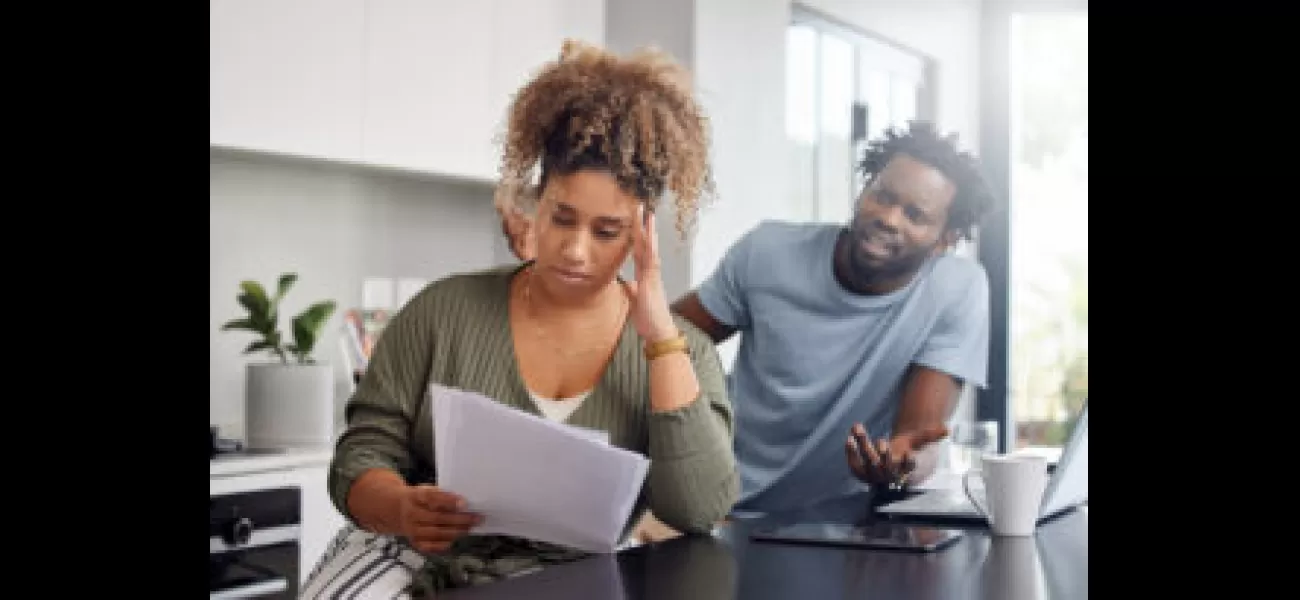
(867,269)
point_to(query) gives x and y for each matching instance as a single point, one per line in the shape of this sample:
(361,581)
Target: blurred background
(352,142)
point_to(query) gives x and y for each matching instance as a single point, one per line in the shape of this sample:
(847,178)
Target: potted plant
(288,401)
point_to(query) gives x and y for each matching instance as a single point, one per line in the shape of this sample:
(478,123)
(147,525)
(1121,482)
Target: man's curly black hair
(973,200)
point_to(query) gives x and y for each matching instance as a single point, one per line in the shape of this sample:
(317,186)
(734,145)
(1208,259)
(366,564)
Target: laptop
(1066,489)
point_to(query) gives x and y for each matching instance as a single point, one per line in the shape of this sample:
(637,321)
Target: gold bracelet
(654,350)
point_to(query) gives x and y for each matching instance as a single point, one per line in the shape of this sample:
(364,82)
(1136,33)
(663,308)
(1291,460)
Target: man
(853,334)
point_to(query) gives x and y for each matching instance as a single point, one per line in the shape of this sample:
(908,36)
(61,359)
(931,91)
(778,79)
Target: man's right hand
(431,518)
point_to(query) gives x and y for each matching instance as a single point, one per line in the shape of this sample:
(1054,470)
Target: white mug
(1013,487)
(1013,569)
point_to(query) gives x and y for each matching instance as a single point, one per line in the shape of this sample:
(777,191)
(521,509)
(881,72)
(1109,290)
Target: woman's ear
(518,229)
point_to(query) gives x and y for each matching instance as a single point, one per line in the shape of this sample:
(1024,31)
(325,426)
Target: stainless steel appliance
(254,544)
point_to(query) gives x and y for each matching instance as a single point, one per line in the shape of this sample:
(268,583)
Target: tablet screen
(890,536)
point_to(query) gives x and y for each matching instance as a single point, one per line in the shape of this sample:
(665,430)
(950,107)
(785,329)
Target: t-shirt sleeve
(725,294)
(959,342)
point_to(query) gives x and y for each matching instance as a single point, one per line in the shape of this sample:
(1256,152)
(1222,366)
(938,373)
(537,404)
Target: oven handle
(252,590)
(266,536)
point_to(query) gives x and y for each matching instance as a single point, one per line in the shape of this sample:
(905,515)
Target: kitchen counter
(261,461)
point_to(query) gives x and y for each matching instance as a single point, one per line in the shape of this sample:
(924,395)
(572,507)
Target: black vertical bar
(859,129)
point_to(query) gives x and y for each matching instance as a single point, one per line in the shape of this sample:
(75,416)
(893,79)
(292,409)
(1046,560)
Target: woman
(559,336)
(518,232)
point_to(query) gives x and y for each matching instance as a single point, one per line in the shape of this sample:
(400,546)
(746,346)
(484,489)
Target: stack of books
(380,297)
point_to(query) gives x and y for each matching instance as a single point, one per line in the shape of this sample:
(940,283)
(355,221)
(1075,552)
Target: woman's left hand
(650,313)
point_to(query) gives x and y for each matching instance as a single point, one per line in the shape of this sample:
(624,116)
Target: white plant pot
(289,405)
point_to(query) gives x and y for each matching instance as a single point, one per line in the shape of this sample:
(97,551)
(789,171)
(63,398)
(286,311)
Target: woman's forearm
(375,501)
(672,382)
(692,481)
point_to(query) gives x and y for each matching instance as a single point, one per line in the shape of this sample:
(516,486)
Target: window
(835,160)
(801,113)
(1048,267)
(843,88)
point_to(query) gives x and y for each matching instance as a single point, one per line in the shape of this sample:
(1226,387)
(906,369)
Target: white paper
(531,477)
(595,434)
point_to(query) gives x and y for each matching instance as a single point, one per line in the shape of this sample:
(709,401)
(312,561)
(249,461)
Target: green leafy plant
(263,320)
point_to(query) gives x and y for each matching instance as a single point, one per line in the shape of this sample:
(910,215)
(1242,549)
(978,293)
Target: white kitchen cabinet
(427,87)
(416,85)
(320,520)
(529,33)
(440,76)
(286,76)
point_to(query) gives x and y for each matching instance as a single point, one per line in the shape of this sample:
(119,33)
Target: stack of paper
(531,477)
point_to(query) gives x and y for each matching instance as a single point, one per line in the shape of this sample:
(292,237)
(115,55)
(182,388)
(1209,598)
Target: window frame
(993,402)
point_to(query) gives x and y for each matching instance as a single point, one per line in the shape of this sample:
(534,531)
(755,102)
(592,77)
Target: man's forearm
(927,461)
(929,396)
(922,418)
(928,401)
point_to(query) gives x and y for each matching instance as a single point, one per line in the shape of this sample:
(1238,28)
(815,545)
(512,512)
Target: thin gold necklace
(543,334)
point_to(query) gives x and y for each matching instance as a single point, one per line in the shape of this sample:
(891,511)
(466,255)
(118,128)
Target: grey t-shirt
(815,358)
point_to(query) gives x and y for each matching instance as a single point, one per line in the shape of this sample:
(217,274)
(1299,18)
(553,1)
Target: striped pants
(360,565)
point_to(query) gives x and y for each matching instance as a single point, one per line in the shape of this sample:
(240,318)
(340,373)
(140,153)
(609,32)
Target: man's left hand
(887,462)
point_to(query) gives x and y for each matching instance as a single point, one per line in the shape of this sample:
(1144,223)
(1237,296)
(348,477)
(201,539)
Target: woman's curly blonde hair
(635,117)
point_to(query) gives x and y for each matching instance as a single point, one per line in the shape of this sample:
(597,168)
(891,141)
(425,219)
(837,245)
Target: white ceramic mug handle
(965,486)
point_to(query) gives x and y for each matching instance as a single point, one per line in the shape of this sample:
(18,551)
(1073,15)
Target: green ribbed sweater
(456,332)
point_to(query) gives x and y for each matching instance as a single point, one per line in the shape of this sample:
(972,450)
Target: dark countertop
(1053,564)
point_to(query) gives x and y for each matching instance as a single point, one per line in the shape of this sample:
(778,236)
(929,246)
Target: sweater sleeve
(380,414)
(693,480)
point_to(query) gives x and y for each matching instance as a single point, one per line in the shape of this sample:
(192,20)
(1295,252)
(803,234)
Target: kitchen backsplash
(337,227)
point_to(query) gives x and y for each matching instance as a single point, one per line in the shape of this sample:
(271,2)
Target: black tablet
(884,536)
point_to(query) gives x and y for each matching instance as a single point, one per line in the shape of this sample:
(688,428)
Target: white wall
(334,226)
(740,69)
